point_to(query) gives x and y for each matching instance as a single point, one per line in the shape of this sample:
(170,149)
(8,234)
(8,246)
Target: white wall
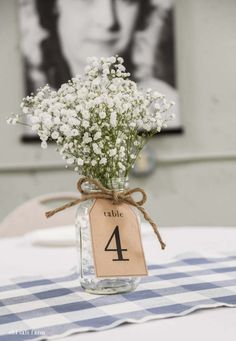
(195,181)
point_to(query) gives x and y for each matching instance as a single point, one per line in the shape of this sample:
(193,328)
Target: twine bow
(116,197)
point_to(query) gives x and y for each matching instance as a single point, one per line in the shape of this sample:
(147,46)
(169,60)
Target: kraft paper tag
(116,240)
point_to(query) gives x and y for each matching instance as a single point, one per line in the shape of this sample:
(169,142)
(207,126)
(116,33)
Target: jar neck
(117,184)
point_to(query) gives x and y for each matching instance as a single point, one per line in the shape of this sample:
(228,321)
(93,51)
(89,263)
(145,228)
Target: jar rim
(119,184)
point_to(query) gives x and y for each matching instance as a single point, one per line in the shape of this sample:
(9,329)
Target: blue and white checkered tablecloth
(43,308)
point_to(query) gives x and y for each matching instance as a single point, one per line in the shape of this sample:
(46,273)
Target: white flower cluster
(100,121)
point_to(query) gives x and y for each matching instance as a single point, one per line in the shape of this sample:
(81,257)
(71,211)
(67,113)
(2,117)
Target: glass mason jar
(86,269)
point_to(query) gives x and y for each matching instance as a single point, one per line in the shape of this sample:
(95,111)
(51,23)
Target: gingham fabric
(43,308)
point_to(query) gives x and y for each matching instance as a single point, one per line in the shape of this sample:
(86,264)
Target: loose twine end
(116,197)
(155,230)
(163,245)
(49,214)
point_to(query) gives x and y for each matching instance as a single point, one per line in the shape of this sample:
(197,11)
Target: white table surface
(18,257)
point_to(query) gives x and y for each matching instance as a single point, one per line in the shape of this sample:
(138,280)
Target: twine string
(117,197)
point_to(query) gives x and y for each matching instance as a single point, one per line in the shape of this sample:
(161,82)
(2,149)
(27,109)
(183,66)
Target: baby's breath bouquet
(99,121)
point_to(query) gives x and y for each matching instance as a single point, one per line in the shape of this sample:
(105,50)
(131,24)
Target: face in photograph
(95,28)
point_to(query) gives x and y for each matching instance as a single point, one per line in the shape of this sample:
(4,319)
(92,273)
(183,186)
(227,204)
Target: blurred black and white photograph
(57,36)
